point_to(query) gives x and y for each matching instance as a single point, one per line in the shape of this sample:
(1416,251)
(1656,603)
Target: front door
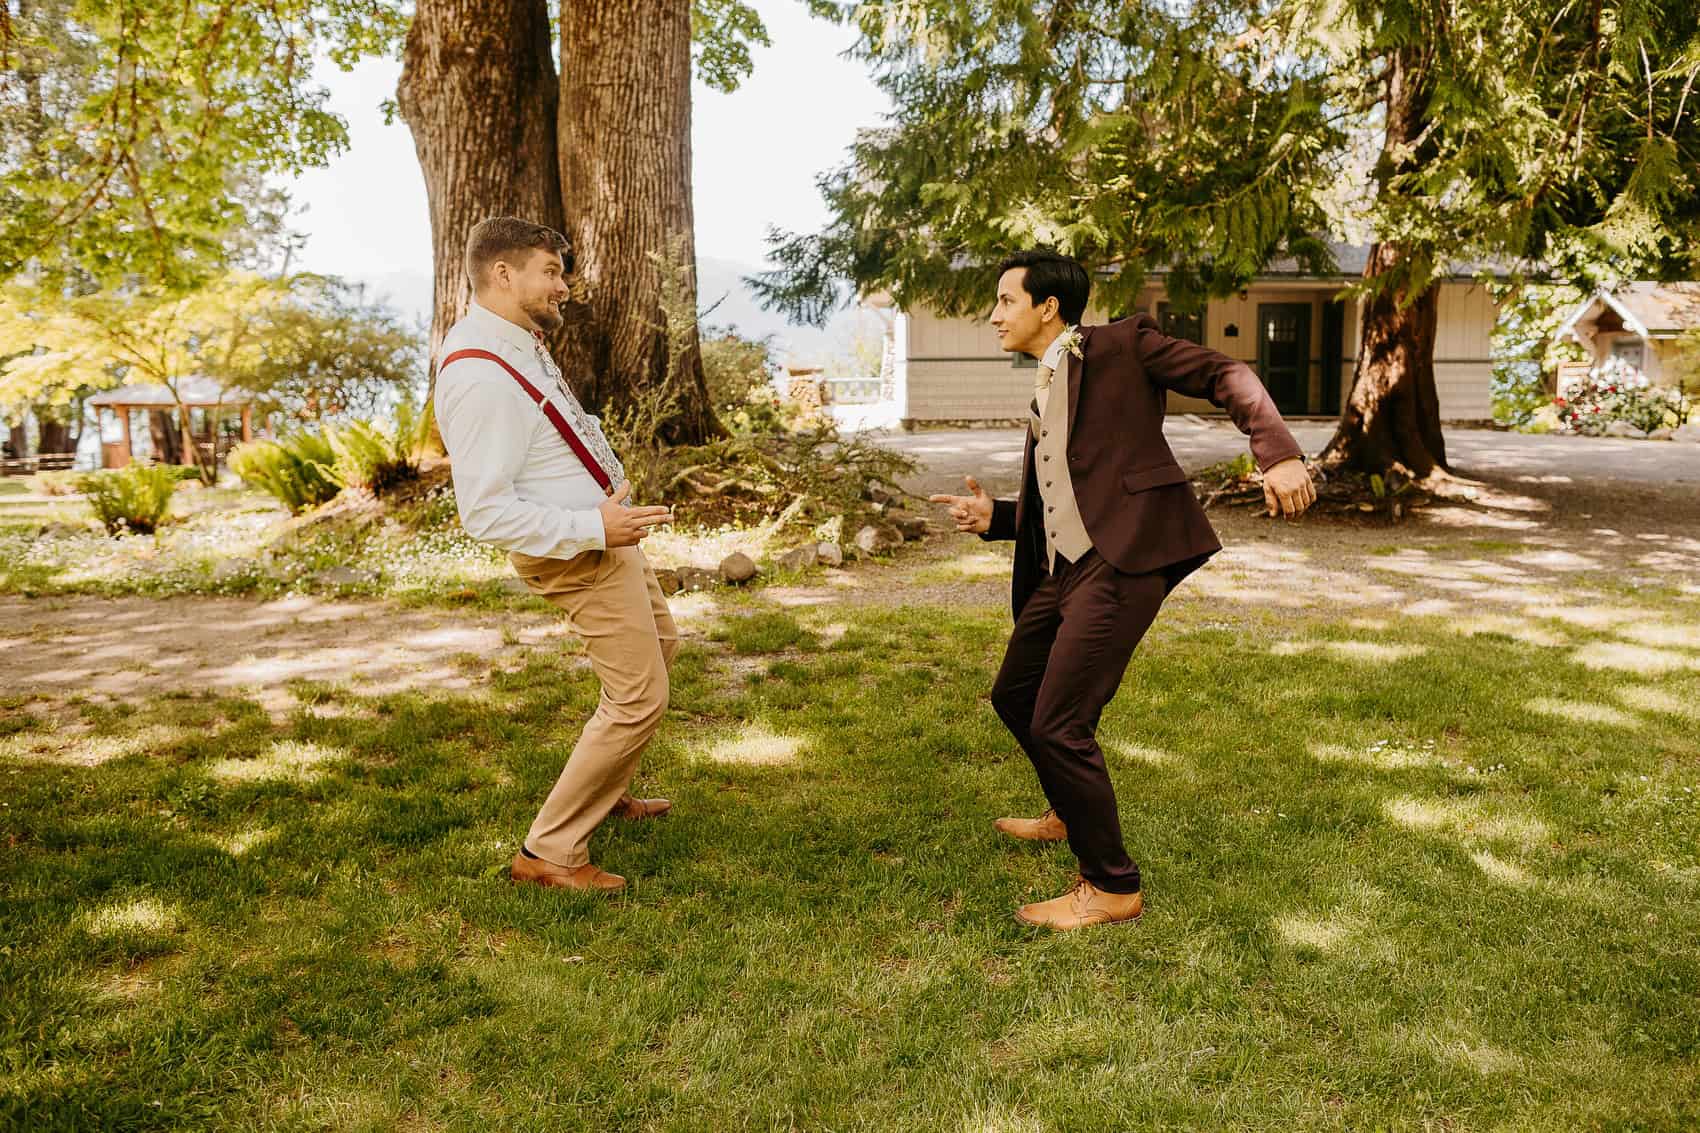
(1283,354)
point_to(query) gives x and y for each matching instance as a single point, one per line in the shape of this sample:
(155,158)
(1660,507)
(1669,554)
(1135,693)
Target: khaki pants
(612,600)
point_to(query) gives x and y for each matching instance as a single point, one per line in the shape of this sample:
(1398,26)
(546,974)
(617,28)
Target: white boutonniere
(1071,341)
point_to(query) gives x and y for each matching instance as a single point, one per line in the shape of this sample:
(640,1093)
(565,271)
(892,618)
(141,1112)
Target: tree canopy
(1205,138)
(136,136)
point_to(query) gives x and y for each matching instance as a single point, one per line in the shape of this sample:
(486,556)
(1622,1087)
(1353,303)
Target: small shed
(218,418)
(1640,322)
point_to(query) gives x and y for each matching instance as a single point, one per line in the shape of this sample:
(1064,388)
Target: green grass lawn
(1446,882)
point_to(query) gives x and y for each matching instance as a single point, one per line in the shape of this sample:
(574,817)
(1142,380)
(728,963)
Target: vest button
(1047,456)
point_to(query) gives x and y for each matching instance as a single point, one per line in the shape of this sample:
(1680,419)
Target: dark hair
(1049,275)
(501,236)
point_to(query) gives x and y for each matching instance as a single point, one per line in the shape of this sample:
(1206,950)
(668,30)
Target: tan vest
(1065,532)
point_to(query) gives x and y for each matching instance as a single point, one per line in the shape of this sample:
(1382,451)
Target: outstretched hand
(972,513)
(1287,490)
(625,526)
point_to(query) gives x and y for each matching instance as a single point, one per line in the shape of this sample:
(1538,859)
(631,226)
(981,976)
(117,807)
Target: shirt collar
(492,323)
(1054,352)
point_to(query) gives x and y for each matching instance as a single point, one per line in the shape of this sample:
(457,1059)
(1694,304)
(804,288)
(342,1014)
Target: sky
(757,153)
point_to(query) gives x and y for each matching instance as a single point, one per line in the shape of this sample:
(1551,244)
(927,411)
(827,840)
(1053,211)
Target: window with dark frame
(1177,325)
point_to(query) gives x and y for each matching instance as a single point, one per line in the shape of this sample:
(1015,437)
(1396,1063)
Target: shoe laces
(1082,894)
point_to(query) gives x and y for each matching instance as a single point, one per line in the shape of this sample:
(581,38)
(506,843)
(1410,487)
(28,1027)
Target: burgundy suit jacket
(1134,498)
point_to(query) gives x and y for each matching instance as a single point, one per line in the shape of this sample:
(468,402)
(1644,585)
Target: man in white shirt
(534,475)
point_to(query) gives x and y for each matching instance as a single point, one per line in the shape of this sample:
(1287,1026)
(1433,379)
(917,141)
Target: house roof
(195,391)
(1352,259)
(1648,308)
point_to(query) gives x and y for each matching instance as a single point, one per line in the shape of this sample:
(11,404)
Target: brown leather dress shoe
(633,809)
(1046,828)
(1083,905)
(536,871)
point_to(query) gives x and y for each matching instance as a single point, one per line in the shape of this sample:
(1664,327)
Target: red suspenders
(549,411)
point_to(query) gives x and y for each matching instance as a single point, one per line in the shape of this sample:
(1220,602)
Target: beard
(547,316)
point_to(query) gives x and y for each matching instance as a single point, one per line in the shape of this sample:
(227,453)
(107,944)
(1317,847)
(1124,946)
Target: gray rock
(1622,429)
(878,495)
(61,530)
(695,578)
(738,568)
(669,580)
(1660,434)
(911,527)
(878,539)
(342,576)
(829,554)
(799,558)
(1689,433)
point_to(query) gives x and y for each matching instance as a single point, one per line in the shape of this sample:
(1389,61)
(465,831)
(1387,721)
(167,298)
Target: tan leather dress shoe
(536,871)
(633,809)
(1083,905)
(1046,828)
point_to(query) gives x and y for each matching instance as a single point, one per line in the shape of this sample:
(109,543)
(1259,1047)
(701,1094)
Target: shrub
(734,367)
(765,410)
(1616,391)
(295,471)
(375,458)
(134,499)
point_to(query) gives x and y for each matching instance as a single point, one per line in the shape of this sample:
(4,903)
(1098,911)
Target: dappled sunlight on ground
(248,838)
(1134,753)
(1657,700)
(1581,712)
(1500,870)
(1384,754)
(1367,651)
(132,648)
(1467,819)
(1633,658)
(285,761)
(72,745)
(1515,628)
(139,915)
(754,744)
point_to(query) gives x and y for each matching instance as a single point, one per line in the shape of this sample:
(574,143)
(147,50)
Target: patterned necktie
(1042,387)
(588,428)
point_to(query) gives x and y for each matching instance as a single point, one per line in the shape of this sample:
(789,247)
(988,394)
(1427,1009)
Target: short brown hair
(500,236)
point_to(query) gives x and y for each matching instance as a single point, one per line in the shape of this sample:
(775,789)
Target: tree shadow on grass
(823,924)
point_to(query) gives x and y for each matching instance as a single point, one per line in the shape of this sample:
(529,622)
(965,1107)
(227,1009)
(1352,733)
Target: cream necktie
(1042,387)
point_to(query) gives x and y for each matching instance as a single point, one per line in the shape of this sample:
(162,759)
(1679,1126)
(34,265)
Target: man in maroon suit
(1105,526)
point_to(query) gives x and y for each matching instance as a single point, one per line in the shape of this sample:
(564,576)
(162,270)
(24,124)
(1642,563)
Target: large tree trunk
(57,437)
(478,92)
(625,150)
(1392,416)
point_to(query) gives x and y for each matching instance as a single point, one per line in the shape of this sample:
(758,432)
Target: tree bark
(478,92)
(57,437)
(1392,416)
(625,153)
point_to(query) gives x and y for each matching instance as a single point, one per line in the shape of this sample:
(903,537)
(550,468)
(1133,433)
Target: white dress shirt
(517,483)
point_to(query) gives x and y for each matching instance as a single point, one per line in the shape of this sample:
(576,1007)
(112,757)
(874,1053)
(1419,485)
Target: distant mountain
(721,294)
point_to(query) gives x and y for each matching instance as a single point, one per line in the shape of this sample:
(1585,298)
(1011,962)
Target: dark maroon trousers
(1065,661)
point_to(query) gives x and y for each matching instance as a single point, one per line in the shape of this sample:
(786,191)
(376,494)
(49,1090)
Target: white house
(1288,325)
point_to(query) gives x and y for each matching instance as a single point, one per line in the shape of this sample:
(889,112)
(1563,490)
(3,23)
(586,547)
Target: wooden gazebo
(174,441)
